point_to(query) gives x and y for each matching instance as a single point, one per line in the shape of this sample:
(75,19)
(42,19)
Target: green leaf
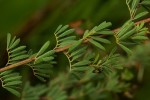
(128,1)
(67,38)
(16,82)
(43,48)
(86,34)
(128,26)
(14,44)
(144,29)
(141,33)
(66,33)
(105,32)
(10,75)
(77,52)
(62,29)
(76,44)
(93,29)
(42,70)
(38,61)
(42,74)
(145,2)
(5,72)
(58,28)
(135,4)
(96,58)
(128,34)
(141,25)
(113,51)
(103,26)
(48,59)
(66,43)
(40,78)
(101,40)
(15,92)
(97,44)
(12,41)
(19,57)
(83,68)
(18,49)
(41,67)
(125,49)
(17,54)
(128,43)
(81,63)
(140,38)
(141,15)
(8,39)
(12,79)
(47,54)
(78,56)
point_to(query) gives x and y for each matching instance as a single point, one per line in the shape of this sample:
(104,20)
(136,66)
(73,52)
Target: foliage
(11,81)
(92,74)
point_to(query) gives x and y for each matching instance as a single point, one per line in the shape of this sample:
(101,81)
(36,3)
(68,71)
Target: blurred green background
(34,21)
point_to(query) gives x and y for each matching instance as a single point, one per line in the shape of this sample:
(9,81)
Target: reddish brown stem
(62,49)
(23,62)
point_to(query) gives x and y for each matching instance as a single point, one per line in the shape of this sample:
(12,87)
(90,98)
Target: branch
(23,62)
(62,49)
(26,61)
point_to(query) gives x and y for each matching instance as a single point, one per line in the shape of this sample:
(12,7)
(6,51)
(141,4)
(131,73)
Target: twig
(62,49)
(23,62)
